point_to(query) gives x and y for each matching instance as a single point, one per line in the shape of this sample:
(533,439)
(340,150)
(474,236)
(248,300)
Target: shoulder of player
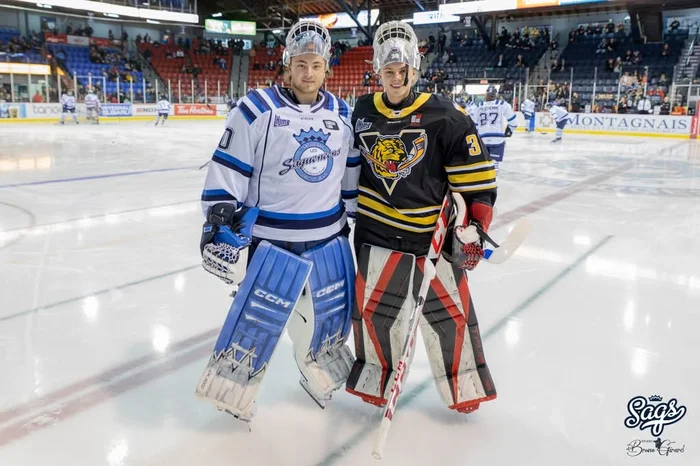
(449,109)
(364,102)
(336,104)
(257,103)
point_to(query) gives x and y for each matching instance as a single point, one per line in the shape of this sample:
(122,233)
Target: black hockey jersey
(411,156)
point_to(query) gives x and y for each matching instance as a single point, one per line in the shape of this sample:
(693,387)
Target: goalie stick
(497,255)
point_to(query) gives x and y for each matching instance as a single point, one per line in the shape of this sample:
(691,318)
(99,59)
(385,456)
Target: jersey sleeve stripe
(209,195)
(472,167)
(233,163)
(400,226)
(272,95)
(511,118)
(423,210)
(492,135)
(479,187)
(352,194)
(472,178)
(259,102)
(247,113)
(353,162)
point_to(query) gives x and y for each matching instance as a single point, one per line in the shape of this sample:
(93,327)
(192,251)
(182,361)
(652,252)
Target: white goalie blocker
(309,295)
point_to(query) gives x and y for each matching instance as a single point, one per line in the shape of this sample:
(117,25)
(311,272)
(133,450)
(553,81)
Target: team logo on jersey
(313,160)
(415,119)
(362,125)
(280,121)
(389,157)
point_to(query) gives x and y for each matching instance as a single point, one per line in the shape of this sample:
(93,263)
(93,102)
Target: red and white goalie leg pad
(452,340)
(384,299)
(320,324)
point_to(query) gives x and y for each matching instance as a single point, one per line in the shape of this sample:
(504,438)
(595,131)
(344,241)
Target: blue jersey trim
(233,163)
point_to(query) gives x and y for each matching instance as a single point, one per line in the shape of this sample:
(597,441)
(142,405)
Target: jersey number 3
(474,147)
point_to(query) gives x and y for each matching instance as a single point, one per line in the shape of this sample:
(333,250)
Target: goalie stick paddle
(498,255)
(429,272)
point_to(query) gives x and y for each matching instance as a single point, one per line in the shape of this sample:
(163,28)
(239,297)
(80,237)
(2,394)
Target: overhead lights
(277,31)
(111,15)
(41,5)
(152,21)
(217,15)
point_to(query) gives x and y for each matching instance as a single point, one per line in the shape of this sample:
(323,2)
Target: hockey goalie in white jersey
(278,192)
(92,106)
(491,116)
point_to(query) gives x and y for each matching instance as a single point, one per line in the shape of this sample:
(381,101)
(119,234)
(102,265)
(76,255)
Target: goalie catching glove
(469,235)
(226,237)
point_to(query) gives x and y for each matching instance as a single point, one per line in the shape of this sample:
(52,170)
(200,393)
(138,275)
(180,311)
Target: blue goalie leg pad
(266,298)
(320,326)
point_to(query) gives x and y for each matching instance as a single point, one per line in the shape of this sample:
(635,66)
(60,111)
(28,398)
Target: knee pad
(453,342)
(320,324)
(258,315)
(384,299)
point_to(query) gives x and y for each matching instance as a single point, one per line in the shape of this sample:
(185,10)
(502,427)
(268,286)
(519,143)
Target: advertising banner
(144,109)
(615,124)
(115,110)
(193,110)
(12,111)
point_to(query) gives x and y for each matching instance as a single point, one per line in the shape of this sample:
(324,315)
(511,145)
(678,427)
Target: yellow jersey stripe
(392,213)
(474,166)
(478,187)
(400,226)
(404,112)
(472,177)
(422,210)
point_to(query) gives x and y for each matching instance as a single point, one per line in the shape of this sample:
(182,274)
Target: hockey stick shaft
(429,272)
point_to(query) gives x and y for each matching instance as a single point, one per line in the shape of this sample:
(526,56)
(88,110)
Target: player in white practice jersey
(560,116)
(528,109)
(279,189)
(491,117)
(163,109)
(92,106)
(68,103)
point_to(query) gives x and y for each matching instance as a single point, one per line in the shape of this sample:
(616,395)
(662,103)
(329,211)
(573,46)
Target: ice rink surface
(107,318)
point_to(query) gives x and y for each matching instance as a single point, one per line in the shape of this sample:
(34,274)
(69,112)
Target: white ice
(107,319)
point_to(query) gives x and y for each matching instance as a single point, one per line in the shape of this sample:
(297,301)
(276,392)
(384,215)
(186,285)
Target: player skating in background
(496,121)
(92,106)
(528,109)
(416,148)
(283,158)
(163,109)
(68,103)
(560,116)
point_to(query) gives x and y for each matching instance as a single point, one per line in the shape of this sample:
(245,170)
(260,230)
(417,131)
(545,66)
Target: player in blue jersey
(278,192)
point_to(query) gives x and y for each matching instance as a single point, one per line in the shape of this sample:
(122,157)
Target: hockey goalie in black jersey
(417,147)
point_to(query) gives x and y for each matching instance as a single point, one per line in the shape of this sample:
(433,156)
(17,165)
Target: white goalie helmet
(307,36)
(395,42)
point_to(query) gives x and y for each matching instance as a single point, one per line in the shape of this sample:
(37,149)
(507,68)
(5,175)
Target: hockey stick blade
(517,236)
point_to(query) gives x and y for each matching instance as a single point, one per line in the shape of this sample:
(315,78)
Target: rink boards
(681,127)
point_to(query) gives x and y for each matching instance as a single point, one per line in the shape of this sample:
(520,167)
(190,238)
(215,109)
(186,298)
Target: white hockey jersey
(68,101)
(491,119)
(528,106)
(163,106)
(289,160)
(91,101)
(558,113)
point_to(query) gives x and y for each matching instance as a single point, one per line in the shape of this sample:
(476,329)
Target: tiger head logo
(388,155)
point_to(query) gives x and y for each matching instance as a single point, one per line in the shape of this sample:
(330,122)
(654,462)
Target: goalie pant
(386,288)
(305,287)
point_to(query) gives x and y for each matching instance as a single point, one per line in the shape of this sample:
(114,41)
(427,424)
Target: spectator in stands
(37,98)
(618,65)
(637,57)
(501,62)
(622,106)
(620,30)
(612,45)
(365,79)
(442,40)
(610,65)
(575,103)
(69,29)
(610,27)
(110,34)
(520,62)
(657,92)
(628,57)
(562,65)
(445,57)
(555,66)
(452,58)
(675,25)
(666,107)
(663,80)
(666,51)
(644,106)
(602,46)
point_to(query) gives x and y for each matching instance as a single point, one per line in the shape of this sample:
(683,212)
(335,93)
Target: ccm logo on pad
(272,298)
(329,289)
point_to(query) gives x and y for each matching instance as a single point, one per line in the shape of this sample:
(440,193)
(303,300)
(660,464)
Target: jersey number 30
(474,147)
